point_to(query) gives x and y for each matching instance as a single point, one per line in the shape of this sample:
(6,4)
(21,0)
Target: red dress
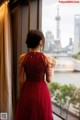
(34,102)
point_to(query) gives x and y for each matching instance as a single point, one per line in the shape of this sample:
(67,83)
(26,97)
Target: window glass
(61,27)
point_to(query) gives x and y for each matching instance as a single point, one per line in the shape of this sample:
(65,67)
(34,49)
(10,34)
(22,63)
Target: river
(67,78)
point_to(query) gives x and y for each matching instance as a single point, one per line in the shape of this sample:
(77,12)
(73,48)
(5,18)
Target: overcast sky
(67,13)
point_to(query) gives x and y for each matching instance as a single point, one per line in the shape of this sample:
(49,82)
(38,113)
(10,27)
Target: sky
(67,11)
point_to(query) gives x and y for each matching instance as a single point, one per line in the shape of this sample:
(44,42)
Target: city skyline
(66,12)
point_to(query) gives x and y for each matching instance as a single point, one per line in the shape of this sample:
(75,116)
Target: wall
(23,18)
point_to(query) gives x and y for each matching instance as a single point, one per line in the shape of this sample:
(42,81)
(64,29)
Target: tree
(62,95)
(76,100)
(53,87)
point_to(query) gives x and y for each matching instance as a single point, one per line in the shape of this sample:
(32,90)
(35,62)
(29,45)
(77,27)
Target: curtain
(5,62)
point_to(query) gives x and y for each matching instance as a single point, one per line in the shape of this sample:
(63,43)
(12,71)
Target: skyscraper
(49,42)
(76,34)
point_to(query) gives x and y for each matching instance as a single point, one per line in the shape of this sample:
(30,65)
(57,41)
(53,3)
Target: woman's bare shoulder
(21,57)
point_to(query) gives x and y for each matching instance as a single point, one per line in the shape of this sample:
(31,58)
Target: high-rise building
(76,34)
(70,42)
(49,41)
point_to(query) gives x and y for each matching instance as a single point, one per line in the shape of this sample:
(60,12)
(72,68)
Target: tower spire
(57,41)
(58,24)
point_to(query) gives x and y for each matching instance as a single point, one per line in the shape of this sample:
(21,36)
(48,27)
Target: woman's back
(35,66)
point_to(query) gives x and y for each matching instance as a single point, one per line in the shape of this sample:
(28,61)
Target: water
(67,78)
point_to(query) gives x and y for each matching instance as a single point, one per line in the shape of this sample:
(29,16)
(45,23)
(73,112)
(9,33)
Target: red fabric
(34,102)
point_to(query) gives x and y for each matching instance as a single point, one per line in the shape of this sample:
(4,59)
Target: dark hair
(33,38)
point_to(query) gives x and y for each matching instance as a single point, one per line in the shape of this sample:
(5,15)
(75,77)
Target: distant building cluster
(51,44)
(54,45)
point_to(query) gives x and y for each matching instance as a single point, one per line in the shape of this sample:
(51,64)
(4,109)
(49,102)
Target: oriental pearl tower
(57,41)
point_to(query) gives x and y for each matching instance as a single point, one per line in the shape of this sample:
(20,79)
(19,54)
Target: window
(59,25)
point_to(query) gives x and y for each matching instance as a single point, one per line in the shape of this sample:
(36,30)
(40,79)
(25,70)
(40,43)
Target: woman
(34,102)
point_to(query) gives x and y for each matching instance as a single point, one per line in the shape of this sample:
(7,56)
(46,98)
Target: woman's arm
(50,68)
(21,71)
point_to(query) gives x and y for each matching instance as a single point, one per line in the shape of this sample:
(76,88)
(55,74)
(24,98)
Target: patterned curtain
(5,62)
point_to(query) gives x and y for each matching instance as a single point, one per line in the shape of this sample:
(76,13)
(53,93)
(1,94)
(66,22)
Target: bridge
(65,62)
